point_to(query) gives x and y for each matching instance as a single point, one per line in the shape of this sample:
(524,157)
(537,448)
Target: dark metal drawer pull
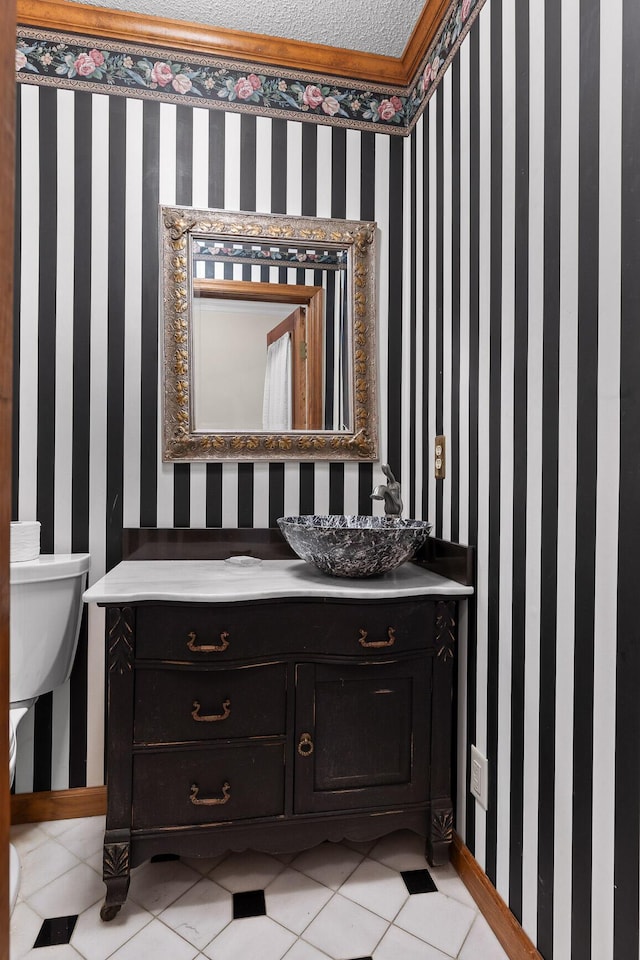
(208,648)
(212,717)
(305,745)
(391,634)
(210,801)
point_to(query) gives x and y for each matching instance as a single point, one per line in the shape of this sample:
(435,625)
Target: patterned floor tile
(155,941)
(329,863)
(377,888)
(75,890)
(438,920)
(247,871)
(27,836)
(44,865)
(332,902)
(56,931)
(201,913)
(24,928)
(397,944)
(418,881)
(97,940)
(83,837)
(481,944)
(293,899)
(304,951)
(344,929)
(253,937)
(155,885)
(402,850)
(249,903)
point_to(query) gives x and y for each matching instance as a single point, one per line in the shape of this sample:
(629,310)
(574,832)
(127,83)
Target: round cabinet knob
(305,745)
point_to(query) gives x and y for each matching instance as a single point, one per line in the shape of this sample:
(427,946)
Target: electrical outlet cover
(479,777)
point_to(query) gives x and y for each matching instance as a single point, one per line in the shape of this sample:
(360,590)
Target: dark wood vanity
(275,723)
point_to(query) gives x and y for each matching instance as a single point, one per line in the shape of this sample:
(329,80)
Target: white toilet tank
(46,608)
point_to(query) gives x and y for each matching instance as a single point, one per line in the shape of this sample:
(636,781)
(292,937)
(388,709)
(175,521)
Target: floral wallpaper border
(272,256)
(104,66)
(454,27)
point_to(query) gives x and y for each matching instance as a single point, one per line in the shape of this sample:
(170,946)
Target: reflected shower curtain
(337,386)
(276,408)
(343,362)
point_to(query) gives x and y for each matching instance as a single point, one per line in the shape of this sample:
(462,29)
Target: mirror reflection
(274,318)
(269,336)
(269,342)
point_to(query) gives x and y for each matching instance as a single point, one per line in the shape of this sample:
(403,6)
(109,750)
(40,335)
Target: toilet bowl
(46,604)
(45,612)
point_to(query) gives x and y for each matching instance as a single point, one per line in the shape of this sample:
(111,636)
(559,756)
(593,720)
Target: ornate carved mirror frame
(182,442)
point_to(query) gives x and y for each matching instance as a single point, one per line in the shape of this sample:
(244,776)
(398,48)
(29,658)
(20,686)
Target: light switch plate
(479,777)
(440,457)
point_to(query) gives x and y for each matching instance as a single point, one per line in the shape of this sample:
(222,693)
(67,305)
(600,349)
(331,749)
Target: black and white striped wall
(92,170)
(530,152)
(509,296)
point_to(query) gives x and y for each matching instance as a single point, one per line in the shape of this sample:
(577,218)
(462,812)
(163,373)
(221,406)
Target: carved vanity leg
(440,828)
(120,637)
(116,875)
(440,836)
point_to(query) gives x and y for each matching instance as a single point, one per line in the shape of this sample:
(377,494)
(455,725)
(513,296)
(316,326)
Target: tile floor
(348,901)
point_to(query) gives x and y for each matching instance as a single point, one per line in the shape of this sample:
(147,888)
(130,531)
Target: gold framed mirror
(269,337)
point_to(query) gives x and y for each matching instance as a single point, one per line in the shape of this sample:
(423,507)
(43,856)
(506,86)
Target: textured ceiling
(371,26)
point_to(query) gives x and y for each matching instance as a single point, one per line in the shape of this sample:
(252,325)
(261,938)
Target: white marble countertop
(217,581)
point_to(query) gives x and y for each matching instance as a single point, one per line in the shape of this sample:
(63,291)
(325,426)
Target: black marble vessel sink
(354,546)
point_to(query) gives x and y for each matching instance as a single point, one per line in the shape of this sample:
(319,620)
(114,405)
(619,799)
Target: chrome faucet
(390,493)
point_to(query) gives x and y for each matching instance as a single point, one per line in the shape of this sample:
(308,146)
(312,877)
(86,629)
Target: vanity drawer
(374,628)
(207,785)
(206,634)
(228,632)
(186,705)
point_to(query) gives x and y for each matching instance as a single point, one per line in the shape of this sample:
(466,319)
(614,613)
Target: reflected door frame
(295,326)
(307,365)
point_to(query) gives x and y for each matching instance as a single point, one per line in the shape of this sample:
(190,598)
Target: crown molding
(67,16)
(178,66)
(422,36)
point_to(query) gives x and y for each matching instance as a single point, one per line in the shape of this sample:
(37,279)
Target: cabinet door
(361,735)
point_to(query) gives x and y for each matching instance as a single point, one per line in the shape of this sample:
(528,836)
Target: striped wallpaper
(509,294)
(86,453)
